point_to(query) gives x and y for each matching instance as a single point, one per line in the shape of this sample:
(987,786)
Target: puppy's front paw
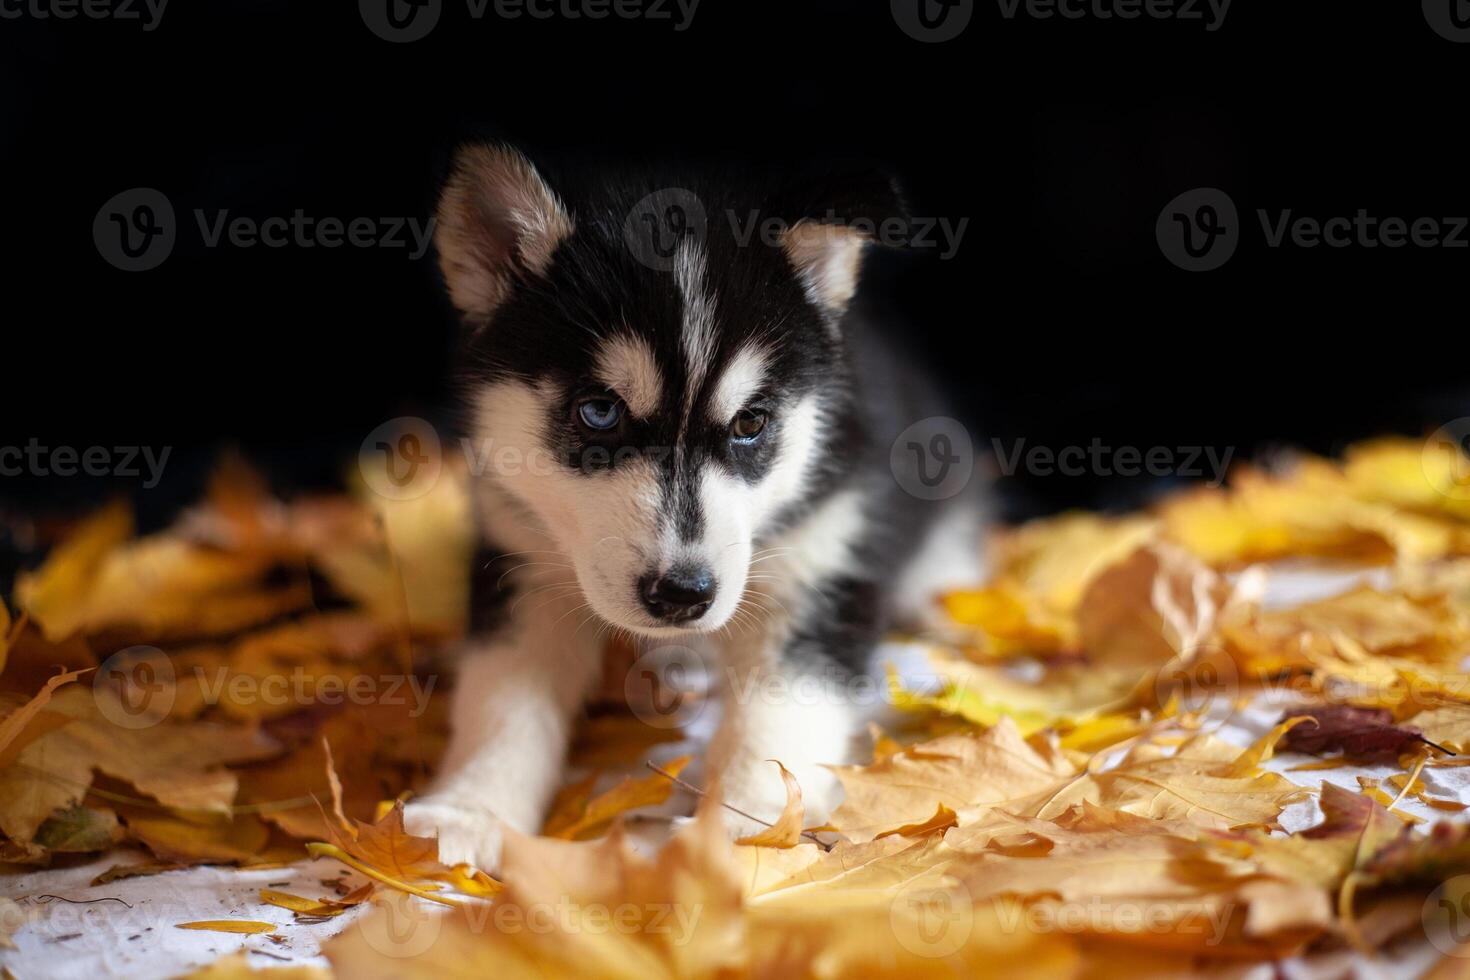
(467,834)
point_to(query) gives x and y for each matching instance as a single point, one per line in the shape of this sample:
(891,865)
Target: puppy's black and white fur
(699,449)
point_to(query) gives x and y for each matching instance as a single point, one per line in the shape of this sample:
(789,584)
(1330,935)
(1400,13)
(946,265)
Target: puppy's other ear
(838,218)
(497,222)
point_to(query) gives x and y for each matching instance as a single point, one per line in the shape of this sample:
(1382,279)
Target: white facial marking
(626,365)
(605,522)
(740,382)
(699,315)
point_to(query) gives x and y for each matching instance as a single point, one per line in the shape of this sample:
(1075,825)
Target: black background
(1060,140)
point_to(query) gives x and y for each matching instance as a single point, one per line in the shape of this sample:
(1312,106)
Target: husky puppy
(686,437)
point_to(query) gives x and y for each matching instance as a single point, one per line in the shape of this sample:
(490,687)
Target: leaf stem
(734,809)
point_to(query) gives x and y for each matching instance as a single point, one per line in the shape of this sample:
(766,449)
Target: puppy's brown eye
(748,424)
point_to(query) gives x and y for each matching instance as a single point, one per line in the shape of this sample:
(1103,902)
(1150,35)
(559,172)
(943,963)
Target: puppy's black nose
(680,595)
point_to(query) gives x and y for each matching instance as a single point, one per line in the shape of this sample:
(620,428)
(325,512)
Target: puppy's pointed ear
(839,219)
(497,222)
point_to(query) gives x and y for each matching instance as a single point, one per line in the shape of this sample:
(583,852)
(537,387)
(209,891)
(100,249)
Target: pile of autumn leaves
(1056,804)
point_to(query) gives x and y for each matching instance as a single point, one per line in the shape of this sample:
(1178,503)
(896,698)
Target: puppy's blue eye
(600,413)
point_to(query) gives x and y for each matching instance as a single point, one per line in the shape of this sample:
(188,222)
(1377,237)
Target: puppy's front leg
(515,703)
(801,714)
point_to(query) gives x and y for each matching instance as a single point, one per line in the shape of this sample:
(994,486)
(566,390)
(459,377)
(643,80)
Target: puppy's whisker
(567,589)
(499,583)
(576,608)
(533,551)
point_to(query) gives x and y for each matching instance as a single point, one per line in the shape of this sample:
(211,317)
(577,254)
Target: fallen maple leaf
(1196,898)
(964,772)
(16,721)
(786,831)
(1447,725)
(1042,570)
(1380,624)
(181,766)
(1158,605)
(1361,732)
(1354,828)
(581,817)
(682,914)
(1206,781)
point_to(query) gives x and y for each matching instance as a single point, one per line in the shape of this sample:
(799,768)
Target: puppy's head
(656,418)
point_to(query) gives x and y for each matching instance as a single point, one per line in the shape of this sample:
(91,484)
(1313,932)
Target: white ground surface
(110,939)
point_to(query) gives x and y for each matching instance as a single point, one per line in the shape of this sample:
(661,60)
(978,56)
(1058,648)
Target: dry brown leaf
(1206,782)
(1123,864)
(1311,510)
(144,869)
(1157,605)
(17,720)
(682,915)
(182,766)
(1378,623)
(1354,829)
(964,772)
(410,564)
(152,589)
(247,927)
(1447,725)
(52,595)
(786,831)
(589,816)
(1042,570)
